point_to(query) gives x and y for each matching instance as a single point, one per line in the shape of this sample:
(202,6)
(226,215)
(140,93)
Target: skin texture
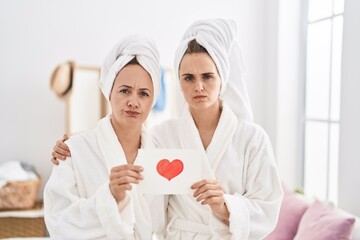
(131,97)
(200,82)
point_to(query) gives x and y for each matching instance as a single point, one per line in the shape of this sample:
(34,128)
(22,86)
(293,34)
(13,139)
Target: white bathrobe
(78,200)
(241,158)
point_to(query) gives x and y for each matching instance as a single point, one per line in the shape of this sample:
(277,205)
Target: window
(322,97)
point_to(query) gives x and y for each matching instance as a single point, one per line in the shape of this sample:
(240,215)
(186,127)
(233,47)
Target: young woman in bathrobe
(241,197)
(92,195)
(241,193)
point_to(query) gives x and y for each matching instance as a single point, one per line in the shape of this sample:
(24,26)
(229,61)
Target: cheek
(147,104)
(217,87)
(186,90)
(116,102)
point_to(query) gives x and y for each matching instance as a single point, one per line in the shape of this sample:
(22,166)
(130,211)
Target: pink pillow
(291,210)
(319,222)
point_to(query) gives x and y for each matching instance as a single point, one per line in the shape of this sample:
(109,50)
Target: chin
(199,106)
(132,120)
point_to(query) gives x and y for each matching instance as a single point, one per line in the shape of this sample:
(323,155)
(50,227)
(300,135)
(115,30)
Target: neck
(207,118)
(206,121)
(129,138)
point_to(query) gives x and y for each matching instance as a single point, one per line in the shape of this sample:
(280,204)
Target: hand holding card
(169,171)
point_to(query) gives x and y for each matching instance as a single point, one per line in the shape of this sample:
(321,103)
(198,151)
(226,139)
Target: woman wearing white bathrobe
(93,194)
(241,197)
(241,193)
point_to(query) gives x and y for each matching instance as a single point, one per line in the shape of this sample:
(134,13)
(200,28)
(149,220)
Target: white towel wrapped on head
(219,38)
(146,53)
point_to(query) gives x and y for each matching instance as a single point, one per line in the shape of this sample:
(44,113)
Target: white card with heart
(169,171)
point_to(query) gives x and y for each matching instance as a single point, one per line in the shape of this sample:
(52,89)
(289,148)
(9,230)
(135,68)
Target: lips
(132,113)
(200,97)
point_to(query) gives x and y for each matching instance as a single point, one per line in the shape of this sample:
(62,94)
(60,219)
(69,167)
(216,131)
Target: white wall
(349,155)
(37,35)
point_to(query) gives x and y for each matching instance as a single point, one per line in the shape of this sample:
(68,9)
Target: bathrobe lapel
(114,155)
(109,145)
(222,138)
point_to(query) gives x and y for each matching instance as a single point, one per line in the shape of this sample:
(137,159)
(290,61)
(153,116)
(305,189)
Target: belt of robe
(188,226)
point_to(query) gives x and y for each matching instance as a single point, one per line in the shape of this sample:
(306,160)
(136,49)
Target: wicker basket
(22,227)
(18,226)
(19,195)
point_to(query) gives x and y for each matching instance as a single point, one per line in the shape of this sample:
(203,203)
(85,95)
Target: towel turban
(218,37)
(146,53)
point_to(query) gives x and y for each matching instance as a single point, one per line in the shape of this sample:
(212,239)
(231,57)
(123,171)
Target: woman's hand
(210,192)
(60,150)
(121,177)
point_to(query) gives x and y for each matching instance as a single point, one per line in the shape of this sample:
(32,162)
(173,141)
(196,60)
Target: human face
(199,81)
(132,96)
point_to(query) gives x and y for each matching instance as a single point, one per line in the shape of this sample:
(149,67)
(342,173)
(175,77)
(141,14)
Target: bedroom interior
(49,66)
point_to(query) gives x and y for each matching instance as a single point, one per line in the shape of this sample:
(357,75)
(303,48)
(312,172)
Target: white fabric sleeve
(126,208)
(238,227)
(69,216)
(254,214)
(158,209)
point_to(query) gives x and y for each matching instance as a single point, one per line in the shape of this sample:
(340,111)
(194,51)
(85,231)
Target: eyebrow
(142,89)
(206,73)
(145,89)
(186,74)
(125,86)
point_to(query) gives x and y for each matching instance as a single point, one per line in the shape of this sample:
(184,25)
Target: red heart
(168,169)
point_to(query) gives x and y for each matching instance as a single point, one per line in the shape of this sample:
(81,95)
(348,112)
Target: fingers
(206,185)
(61,150)
(61,147)
(60,155)
(65,137)
(119,191)
(121,178)
(208,192)
(130,167)
(213,201)
(124,180)
(54,161)
(203,182)
(125,174)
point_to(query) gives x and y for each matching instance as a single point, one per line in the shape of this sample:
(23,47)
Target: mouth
(132,113)
(200,97)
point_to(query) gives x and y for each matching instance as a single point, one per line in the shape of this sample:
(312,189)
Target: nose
(199,87)
(133,101)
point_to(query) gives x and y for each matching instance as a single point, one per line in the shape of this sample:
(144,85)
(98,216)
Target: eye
(124,90)
(144,94)
(207,76)
(188,78)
